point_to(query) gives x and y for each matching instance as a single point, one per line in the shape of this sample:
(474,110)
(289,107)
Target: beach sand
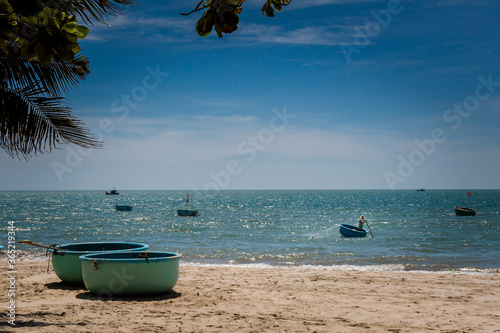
(232,299)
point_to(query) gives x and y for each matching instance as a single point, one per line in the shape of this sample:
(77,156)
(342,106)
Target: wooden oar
(369,228)
(28,242)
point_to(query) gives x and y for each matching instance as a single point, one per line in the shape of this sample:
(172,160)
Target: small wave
(26,255)
(396,268)
(399,268)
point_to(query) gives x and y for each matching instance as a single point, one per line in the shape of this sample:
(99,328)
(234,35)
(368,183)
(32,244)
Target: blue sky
(326,95)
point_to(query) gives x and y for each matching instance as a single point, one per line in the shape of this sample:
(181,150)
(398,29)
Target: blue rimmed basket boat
(130,273)
(68,267)
(126,208)
(187,212)
(348,230)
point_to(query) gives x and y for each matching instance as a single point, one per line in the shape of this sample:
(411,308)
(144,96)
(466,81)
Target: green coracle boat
(68,267)
(130,273)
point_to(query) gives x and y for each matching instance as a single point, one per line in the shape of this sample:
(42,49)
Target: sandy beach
(232,299)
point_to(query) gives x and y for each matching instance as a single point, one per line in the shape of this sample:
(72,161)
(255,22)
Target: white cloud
(327,35)
(207,137)
(301,4)
(227,119)
(316,3)
(144,28)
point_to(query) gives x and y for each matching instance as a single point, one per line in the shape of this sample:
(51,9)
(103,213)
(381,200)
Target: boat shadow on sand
(63,286)
(89,296)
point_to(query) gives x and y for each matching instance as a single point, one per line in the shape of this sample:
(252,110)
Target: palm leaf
(33,118)
(90,10)
(57,78)
(31,123)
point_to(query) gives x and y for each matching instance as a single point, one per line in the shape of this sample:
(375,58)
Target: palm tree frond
(90,10)
(57,78)
(33,118)
(31,123)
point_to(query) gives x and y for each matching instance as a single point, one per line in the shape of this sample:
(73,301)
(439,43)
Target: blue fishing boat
(187,212)
(124,207)
(348,230)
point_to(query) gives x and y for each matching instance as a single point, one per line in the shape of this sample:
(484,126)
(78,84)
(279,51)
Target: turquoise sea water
(413,230)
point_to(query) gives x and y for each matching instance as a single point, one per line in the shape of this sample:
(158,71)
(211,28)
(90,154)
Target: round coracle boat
(68,267)
(130,273)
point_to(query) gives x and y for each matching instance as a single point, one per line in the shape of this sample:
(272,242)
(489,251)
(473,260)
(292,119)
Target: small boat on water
(348,230)
(124,208)
(187,212)
(112,192)
(421,190)
(464,211)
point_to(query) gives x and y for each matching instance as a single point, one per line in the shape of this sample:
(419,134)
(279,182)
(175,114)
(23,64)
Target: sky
(328,94)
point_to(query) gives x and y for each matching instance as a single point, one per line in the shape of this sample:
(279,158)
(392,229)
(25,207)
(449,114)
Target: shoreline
(28,256)
(245,299)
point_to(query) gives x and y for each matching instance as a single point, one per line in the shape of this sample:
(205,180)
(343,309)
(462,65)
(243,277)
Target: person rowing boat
(362,221)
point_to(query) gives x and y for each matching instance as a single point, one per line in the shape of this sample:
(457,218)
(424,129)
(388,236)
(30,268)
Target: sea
(409,230)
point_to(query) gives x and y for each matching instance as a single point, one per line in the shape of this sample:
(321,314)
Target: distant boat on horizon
(112,192)
(421,190)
